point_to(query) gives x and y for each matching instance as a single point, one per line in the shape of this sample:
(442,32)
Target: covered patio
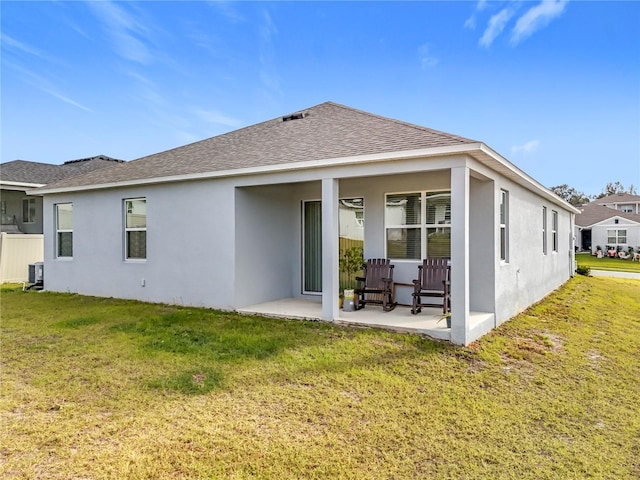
(270,274)
(429,322)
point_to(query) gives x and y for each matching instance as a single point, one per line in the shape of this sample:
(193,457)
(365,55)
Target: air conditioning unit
(36,273)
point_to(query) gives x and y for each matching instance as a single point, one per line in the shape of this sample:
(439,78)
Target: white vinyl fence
(17,251)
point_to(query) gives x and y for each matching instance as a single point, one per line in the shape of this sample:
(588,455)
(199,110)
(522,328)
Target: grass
(606,263)
(102,388)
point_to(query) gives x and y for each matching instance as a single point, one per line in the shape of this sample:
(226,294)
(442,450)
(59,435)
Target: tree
(570,194)
(614,188)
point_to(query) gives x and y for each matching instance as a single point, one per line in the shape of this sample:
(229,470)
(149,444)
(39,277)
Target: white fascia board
(19,186)
(526,180)
(312,164)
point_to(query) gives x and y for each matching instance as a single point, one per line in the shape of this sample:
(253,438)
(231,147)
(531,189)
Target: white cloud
(44,85)
(125,31)
(496,25)
(427,59)
(268,71)
(526,148)
(10,43)
(536,18)
(227,10)
(213,116)
(471,21)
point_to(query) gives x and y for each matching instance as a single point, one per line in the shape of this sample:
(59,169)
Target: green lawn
(606,263)
(111,389)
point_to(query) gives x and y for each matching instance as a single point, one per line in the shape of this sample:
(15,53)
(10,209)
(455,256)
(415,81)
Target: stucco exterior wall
(190,245)
(264,244)
(529,274)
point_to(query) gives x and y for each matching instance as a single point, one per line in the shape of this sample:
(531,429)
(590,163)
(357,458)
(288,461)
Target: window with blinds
(418,225)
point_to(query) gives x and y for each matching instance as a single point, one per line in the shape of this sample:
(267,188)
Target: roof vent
(294,116)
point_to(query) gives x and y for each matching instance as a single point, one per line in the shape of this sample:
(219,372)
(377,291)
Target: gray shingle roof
(44,173)
(592,213)
(618,198)
(326,131)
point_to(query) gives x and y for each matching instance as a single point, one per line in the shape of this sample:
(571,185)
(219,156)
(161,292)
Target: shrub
(583,270)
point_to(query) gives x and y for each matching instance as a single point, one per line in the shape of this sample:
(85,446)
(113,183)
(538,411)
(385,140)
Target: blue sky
(553,86)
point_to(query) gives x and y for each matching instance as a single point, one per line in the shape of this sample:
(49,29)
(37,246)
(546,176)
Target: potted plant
(350,263)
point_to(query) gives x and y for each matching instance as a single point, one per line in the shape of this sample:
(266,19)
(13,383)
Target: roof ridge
(400,122)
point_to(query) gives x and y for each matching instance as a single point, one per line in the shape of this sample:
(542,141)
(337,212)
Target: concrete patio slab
(429,322)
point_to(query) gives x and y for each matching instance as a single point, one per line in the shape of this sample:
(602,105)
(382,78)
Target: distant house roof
(23,171)
(592,213)
(326,131)
(618,198)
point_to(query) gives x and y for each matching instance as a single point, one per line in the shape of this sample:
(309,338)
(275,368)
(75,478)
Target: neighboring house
(254,216)
(624,202)
(21,213)
(605,227)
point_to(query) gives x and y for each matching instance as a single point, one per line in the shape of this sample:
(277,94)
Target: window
(626,208)
(135,228)
(617,236)
(544,230)
(504,225)
(554,230)
(64,230)
(28,210)
(418,225)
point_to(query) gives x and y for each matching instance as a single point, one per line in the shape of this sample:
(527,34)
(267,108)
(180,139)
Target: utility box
(36,273)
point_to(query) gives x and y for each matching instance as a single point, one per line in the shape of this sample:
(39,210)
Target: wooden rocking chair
(376,286)
(433,281)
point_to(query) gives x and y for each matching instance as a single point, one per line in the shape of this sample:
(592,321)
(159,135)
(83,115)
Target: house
(21,214)
(624,202)
(253,218)
(606,226)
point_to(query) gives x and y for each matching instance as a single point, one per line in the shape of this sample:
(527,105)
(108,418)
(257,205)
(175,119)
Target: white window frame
(30,218)
(127,258)
(626,208)
(544,230)
(504,226)
(617,236)
(422,226)
(62,230)
(554,231)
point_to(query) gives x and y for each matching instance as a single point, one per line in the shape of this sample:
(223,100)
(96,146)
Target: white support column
(330,248)
(460,255)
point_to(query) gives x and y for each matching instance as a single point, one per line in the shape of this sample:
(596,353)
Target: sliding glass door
(351,243)
(312,247)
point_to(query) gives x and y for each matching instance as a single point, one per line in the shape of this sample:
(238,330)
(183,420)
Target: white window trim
(57,255)
(554,231)
(128,229)
(544,231)
(504,196)
(422,226)
(617,235)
